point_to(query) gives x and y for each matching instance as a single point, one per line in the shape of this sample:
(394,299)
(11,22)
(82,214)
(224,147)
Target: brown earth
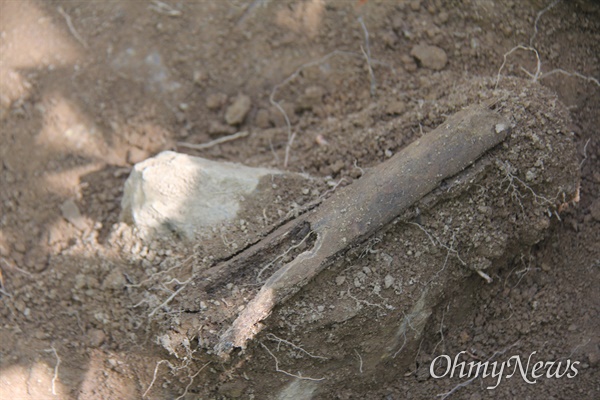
(89,88)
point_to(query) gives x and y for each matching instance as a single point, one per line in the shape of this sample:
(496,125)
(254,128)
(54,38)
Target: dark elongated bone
(354,213)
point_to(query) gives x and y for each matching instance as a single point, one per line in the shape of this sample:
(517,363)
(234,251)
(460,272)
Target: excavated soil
(503,260)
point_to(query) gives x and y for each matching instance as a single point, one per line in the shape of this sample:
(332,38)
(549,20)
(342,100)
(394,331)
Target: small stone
(431,57)
(215,128)
(36,260)
(395,107)
(388,281)
(389,38)
(340,280)
(215,101)
(20,247)
(234,389)
(500,128)
(71,213)
(415,5)
(114,280)
(199,77)
(4,247)
(594,357)
(96,337)
(262,119)
(595,210)
(312,98)
(409,63)
(530,175)
(136,155)
(337,166)
(237,111)
(277,118)
(442,17)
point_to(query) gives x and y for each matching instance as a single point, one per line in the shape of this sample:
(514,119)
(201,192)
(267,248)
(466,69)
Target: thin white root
(360,362)
(405,321)
(287,80)
(153,276)
(584,153)
(213,143)
(538,72)
(441,330)
(164,8)
(55,377)
(280,340)
(367,55)
(436,242)
(485,276)
(171,297)
(575,74)
(192,377)
(281,256)
(71,27)
(535,76)
(537,18)
(154,377)
(277,369)
(466,383)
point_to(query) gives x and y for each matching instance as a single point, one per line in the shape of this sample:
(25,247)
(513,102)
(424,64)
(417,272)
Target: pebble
(215,101)
(594,357)
(20,247)
(114,280)
(595,210)
(389,38)
(431,57)
(262,119)
(396,107)
(277,118)
(215,128)
(238,110)
(312,98)
(409,63)
(71,213)
(199,77)
(337,166)
(388,281)
(36,260)
(340,280)
(96,337)
(136,155)
(4,248)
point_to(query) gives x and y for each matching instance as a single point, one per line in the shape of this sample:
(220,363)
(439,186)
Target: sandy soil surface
(89,88)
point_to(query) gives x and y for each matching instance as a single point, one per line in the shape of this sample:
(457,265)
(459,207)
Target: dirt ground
(89,88)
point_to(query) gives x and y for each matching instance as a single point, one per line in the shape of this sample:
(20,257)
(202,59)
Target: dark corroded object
(354,213)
